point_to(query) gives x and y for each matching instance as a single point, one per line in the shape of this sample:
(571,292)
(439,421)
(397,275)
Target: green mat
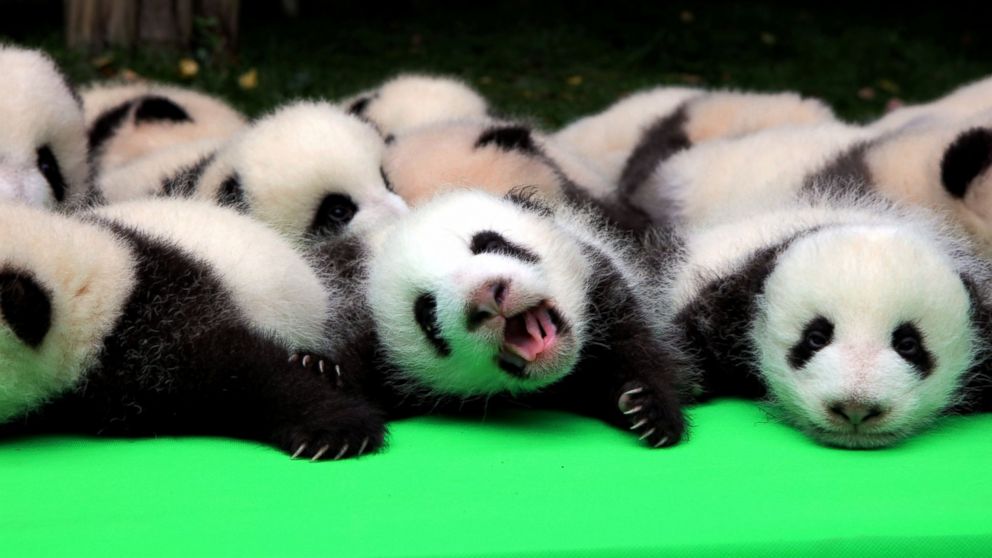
(517,484)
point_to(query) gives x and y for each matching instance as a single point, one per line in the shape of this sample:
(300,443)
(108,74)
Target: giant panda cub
(42,135)
(860,322)
(126,121)
(632,136)
(475,298)
(962,103)
(410,100)
(497,157)
(156,173)
(167,317)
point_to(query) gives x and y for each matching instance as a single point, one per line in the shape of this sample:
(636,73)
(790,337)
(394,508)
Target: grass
(557,61)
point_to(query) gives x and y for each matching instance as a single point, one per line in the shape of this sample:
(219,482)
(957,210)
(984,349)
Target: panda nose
(486,302)
(855,412)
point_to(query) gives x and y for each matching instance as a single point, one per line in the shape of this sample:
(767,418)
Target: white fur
(211,119)
(410,100)
(277,291)
(145,176)
(88,273)
(962,103)
(37,108)
(288,161)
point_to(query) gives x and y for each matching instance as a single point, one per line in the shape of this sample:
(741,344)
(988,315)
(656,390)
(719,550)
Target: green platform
(518,484)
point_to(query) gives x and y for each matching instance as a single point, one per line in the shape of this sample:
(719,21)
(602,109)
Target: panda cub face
(475,295)
(864,334)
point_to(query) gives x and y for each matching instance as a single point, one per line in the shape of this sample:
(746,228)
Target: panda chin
(854,440)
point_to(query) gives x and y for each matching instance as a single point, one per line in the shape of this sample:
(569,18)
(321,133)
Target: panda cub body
(474,298)
(127,121)
(157,173)
(165,317)
(861,323)
(411,100)
(42,135)
(960,104)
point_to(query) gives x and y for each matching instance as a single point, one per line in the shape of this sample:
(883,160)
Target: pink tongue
(530,333)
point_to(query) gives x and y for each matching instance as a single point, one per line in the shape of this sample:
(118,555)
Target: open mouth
(528,337)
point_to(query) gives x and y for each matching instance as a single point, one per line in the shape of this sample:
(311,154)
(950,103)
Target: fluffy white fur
(867,268)
(429,252)
(145,176)
(410,100)
(963,102)
(37,108)
(88,274)
(211,119)
(274,287)
(288,161)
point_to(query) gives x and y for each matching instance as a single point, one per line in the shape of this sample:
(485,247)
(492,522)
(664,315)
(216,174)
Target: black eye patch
(907,342)
(26,307)
(333,215)
(817,334)
(425,312)
(491,242)
(49,168)
(155,108)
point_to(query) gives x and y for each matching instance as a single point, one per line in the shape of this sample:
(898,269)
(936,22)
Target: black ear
(969,156)
(26,307)
(360,105)
(232,194)
(509,138)
(156,109)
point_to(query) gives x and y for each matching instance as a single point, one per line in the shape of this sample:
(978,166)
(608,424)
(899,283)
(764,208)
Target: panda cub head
(42,135)
(475,295)
(864,333)
(309,170)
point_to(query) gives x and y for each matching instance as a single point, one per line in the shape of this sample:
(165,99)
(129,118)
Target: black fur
(908,343)
(385,179)
(977,384)
(509,138)
(360,105)
(181,360)
(106,126)
(491,242)
(49,167)
(26,306)
(525,197)
(425,312)
(154,108)
(817,334)
(848,172)
(969,156)
(184,183)
(333,214)
(231,194)
(659,141)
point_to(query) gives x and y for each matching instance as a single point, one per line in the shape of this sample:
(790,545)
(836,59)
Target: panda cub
(411,100)
(126,121)
(962,103)
(42,135)
(166,317)
(154,174)
(473,297)
(861,323)
(497,157)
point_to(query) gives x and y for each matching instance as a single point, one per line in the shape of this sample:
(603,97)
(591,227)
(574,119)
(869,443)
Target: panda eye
(491,242)
(909,344)
(49,168)
(907,347)
(335,211)
(817,334)
(817,340)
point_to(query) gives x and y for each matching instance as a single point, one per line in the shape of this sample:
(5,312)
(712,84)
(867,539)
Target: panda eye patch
(334,213)
(908,344)
(817,334)
(49,168)
(425,312)
(491,242)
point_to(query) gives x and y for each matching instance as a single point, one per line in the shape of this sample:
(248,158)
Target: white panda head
(42,134)
(309,170)
(411,100)
(864,333)
(475,295)
(966,175)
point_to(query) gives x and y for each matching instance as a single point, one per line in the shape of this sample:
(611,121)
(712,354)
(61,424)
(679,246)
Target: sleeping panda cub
(861,323)
(42,136)
(473,297)
(164,317)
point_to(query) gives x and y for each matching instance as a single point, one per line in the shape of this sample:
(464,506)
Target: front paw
(656,420)
(318,365)
(331,443)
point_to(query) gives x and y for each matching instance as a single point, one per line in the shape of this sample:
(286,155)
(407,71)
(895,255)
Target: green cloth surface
(516,484)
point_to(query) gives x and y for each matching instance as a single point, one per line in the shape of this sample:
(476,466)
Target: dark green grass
(555,62)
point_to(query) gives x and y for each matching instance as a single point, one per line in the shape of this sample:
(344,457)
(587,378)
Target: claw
(624,401)
(320,365)
(337,370)
(299,450)
(635,410)
(306,361)
(320,452)
(293,358)
(365,443)
(661,442)
(646,434)
(344,449)
(639,424)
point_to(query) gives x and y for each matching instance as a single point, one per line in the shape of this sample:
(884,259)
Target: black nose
(855,412)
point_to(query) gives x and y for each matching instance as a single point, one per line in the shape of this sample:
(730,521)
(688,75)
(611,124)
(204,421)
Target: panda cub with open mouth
(473,296)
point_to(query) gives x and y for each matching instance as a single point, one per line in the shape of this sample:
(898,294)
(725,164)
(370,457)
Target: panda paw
(318,365)
(333,444)
(653,418)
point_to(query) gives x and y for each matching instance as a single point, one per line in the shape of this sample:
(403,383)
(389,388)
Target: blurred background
(549,61)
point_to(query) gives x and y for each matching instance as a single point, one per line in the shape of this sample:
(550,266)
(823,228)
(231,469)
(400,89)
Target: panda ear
(508,138)
(360,105)
(155,108)
(26,307)
(967,157)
